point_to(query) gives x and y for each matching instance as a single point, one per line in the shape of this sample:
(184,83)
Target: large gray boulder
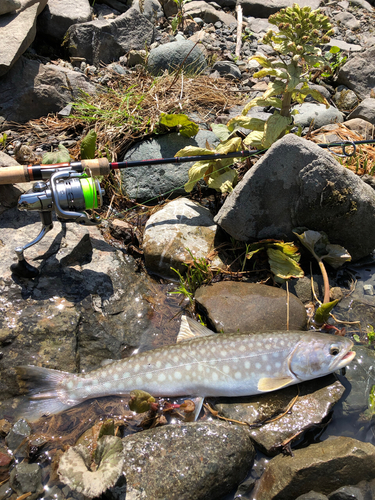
(17,32)
(208,13)
(296,183)
(9,6)
(59,15)
(358,73)
(105,40)
(365,110)
(31,90)
(264,8)
(172,55)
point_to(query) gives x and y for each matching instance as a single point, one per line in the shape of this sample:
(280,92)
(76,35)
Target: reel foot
(24,270)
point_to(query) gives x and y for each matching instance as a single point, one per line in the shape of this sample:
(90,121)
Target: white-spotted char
(200,364)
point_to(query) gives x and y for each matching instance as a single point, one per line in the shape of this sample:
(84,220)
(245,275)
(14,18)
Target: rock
(31,90)
(170,56)
(208,13)
(259,25)
(247,307)
(362,127)
(365,110)
(348,20)
(297,184)
(17,32)
(148,182)
(315,401)
(308,112)
(117,5)
(9,6)
(264,8)
(9,194)
(358,73)
(170,233)
(107,40)
(27,478)
(321,467)
(151,9)
(16,439)
(347,493)
(347,47)
(136,57)
(227,68)
(312,495)
(59,15)
(88,303)
(345,99)
(180,462)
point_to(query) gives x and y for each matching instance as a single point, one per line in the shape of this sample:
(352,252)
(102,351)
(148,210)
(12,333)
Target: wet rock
(362,127)
(315,401)
(184,225)
(358,73)
(112,38)
(171,56)
(297,184)
(26,478)
(312,495)
(347,493)
(148,182)
(197,460)
(17,32)
(6,458)
(5,427)
(345,99)
(31,90)
(365,110)
(247,307)
(321,467)
(308,112)
(87,303)
(16,439)
(264,8)
(59,15)
(208,13)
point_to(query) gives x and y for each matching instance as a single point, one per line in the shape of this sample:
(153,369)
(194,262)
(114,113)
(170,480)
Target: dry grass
(363,162)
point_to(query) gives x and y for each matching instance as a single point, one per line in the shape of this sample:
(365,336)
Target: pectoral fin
(272,384)
(191,329)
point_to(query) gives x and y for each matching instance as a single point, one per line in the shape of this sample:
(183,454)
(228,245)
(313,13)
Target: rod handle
(96,167)
(14,174)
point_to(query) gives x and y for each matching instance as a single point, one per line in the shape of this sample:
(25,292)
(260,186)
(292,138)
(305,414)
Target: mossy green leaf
(323,312)
(274,88)
(193,151)
(221,131)
(246,122)
(60,156)
(140,401)
(254,139)
(260,101)
(282,265)
(184,125)
(88,145)
(275,126)
(223,181)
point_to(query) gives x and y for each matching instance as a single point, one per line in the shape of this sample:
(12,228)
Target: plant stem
(325,279)
(285,104)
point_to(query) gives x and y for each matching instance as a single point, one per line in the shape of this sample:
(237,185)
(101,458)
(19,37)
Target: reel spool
(68,194)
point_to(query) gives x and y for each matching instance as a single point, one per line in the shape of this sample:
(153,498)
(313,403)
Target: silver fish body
(209,365)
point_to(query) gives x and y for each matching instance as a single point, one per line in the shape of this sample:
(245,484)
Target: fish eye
(334,350)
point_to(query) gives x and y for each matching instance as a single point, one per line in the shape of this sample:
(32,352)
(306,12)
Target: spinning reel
(68,193)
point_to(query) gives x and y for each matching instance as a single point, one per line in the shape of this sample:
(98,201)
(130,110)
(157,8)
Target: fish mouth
(346,359)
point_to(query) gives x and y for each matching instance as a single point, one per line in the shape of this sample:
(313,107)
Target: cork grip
(12,175)
(99,166)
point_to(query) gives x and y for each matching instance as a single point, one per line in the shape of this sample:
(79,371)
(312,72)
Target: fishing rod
(69,189)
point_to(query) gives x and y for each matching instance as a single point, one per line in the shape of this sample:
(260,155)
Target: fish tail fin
(44,390)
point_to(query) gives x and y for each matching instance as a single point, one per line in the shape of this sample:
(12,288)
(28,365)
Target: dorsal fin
(191,329)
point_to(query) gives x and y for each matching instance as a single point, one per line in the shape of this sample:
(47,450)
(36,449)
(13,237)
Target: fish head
(318,354)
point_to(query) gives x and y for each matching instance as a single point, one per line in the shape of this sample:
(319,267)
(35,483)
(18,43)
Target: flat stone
(170,56)
(170,233)
(318,113)
(208,13)
(204,461)
(358,73)
(322,466)
(264,8)
(248,307)
(362,127)
(348,20)
(316,399)
(59,15)
(9,6)
(347,47)
(365,110)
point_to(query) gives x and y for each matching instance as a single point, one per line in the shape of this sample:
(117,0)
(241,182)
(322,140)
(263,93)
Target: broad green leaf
(295,73)
(283,266)
(274,88)
(323,311)
(220,130)
(253,252)
(230,146)
(371,400)
(270,72)
(260,101)
(290,249)
(315,94)
(60,156)
(254,139)
(334,49)
(246,122)
(193,151)
(223,181)
(275,126)
(264,61)
(184,125)
(337,255)
(88,146)
(315,61)
(140,401)
(196,173)
(309,239)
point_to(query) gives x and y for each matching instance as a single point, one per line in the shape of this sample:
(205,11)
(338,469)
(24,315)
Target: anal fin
(267,384)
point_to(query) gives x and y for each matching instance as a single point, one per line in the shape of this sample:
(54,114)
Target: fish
(201,364)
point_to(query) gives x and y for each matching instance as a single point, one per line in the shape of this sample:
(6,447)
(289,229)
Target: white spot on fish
(200,368)
(277,364)
(276,354)
(215,376)
(70,384)
(175,359)
(136,368)
(268,368)
(247,365)
(149,376)
(158,364)
(226,369)
(242,348)
(238,375)
(258,366)
(170,378)
(177,375)
(188,367)
(264,357)
(115,376)
(149,359)
(104,373)
(168,365)
(161,377)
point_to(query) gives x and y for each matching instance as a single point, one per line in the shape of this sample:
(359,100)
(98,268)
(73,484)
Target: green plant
(3,140)
(301,30)
(179,19)
(370,333)
(335,60)
(247,33)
